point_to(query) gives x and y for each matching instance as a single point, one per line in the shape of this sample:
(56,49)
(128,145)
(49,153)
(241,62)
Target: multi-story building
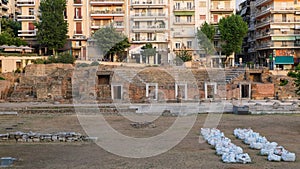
(27,17)
(277,32)
(169,25)
(183,26)
(148,22)
(219,9)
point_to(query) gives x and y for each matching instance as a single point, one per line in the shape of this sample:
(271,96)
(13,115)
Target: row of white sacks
(271,149)
(229,151)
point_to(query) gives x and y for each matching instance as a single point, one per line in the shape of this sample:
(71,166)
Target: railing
(263,12)
(149,15)
(183,23)
(25,17)
(148,2)
(176,8)
(106,1)
(77,2)
(150,27)
(25,2)
(107,12)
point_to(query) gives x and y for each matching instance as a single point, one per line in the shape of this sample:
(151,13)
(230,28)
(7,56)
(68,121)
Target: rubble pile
(229,151)
(271,149)
(44,137)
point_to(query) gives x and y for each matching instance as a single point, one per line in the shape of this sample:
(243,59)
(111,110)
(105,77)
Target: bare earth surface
(283,129)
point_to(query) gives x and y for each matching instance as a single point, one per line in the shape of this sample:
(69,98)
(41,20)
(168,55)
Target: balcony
(262,23)
(26,33)
(107,13)
(25,18)
(184,23)
(262,35)
(148,16)
(107,2)
(261,2)
(221,9)
(175,8)
(263,12)
(148,3)
(77,2)
(77,18)
(152,40)
(98,26)
(25,2)
(183,35)
(151,28)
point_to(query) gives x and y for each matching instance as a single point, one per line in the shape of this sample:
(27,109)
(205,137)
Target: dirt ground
(283,129)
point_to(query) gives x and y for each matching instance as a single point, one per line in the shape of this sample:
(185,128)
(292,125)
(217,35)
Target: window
(151,90)
(177,45)
(181,91)
(149,23)
(119,10)
(103,79)
(283,17)
(189,5)
(177,18)
(284,43)
(119,23)
(31,11)
(65,14)
(77,13)
(215,18)
(78,28)
(137,36)
(30,26)
(202,17)
(177,5)
(189,19)
(137,24)
(216,43)
(297,42)
(149,36)
(202,4)
(189,44)
(116,92)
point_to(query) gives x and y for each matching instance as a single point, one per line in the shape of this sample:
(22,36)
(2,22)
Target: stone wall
(262,91)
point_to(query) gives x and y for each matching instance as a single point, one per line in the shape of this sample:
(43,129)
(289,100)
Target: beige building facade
(169,25)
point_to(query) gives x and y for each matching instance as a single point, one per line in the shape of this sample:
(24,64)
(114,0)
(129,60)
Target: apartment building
(183,27)
(27,17)
(277,32)
(169,25)
(247,12)
(148,22)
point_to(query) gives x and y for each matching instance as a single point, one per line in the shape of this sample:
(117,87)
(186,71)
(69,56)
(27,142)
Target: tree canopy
(9,33)
(148,50)
(52,28)
(205,36)
(233,29)
(183,56)
(111,42)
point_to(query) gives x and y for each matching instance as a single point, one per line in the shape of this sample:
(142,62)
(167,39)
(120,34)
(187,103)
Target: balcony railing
(225,9)
(182,35)
(176,8)
(25,17)
(138,15)
(77,17)
(162,27)
(154,39)
(183,23)
(22,33)
(263,12)
(148,2)
(77,2)
(259,2)
(95,2)
(25,2)
(107,12)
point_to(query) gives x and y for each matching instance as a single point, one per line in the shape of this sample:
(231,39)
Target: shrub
(292,74)
(283,82)
(2,78)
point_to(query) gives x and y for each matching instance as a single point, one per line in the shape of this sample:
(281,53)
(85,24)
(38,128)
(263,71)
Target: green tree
(8,39)
(232,29)
(147,51)
(183,56)
(10,26)
(205,36)
(52,28)
(110,41)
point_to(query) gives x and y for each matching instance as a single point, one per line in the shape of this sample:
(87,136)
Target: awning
(284,60)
